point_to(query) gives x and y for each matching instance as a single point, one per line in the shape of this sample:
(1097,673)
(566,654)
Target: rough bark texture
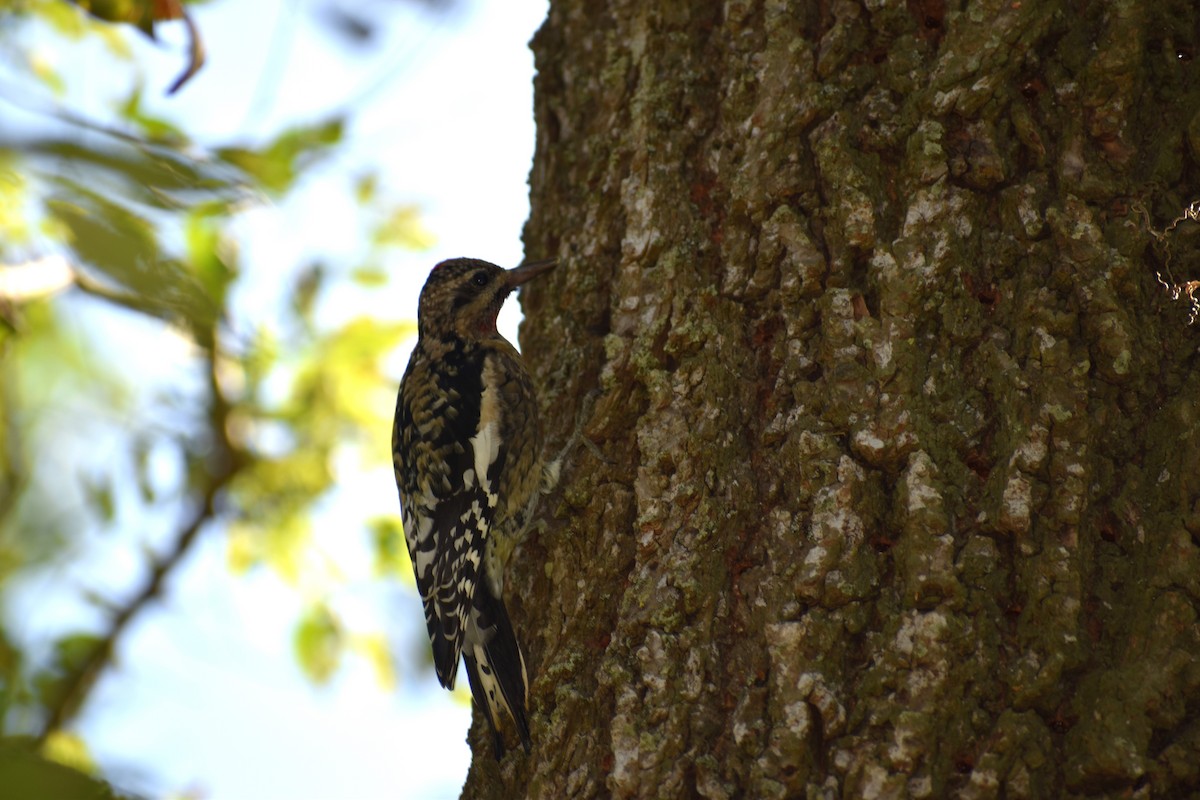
(904,434)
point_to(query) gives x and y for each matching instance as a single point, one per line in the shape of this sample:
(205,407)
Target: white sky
(207,698)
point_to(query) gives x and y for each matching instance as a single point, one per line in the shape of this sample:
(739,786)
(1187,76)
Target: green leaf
(14,202)
(69,750)
(154,128)
(403,228)
(12,661)
(43,69)
(104,233)
(374,649)
(243,551)
(276,166)
(124,246)
(278,536)
(389,547)
(70,654)
(307,288)
(273,483)
(208,251)
(65,20)
(287,543)
(366,187)
(342,384)
(156,175)
(263,354)
(370,277)
(134,12)
(318,643)
(24,773)
(99,494)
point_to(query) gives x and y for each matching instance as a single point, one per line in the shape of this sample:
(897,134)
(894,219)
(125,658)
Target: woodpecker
(467,452)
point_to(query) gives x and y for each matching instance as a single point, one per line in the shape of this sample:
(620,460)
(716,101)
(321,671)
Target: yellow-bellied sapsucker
(467,450)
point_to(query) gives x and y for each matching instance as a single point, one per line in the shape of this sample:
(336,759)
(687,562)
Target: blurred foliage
(26,774)
(119,243)
(391,551)
(276,166)
(139,13)
(318,643)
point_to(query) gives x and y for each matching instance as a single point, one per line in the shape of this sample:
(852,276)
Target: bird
(467,454)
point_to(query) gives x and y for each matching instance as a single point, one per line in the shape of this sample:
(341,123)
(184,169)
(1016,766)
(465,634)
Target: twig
(196,52)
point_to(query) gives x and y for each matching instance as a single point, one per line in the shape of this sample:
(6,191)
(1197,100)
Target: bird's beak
(528,271)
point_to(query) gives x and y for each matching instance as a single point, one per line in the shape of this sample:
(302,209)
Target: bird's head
(462,296)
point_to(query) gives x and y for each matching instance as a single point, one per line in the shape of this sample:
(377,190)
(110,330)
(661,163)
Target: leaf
(24,773)
(403,228)
(370,277)
(308,286)
(208,252)
(242,552)
(71,653)
(43,69)
(69,750)
(374,649)
(133,12)
(257,362)
(98,492)
(279,540)
(157,129)
(104,233)
(62,19)
(318,643)
(389,547)
(366,187)
(158,175)
(123,245)
(279,482)
(342,384)
(287,543)
(14,199)
(276,166)
(11,664)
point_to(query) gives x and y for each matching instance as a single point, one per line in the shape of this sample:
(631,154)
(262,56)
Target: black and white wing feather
(443,458)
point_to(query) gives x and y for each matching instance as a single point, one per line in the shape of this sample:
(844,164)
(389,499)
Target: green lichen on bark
(901,444)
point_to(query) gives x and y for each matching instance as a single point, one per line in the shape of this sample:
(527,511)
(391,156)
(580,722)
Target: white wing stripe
(486,442)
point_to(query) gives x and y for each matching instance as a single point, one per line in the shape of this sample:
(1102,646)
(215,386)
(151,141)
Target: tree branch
(225,463)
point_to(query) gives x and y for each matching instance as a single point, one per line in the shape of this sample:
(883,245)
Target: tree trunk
(901,429)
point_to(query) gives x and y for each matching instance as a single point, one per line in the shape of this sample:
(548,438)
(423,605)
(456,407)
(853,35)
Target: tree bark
(901,428)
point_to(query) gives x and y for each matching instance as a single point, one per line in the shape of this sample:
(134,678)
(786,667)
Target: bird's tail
(496,667)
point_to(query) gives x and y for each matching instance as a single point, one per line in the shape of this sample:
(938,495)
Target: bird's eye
(480,278)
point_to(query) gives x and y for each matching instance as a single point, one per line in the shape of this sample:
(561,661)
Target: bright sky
(207,698)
